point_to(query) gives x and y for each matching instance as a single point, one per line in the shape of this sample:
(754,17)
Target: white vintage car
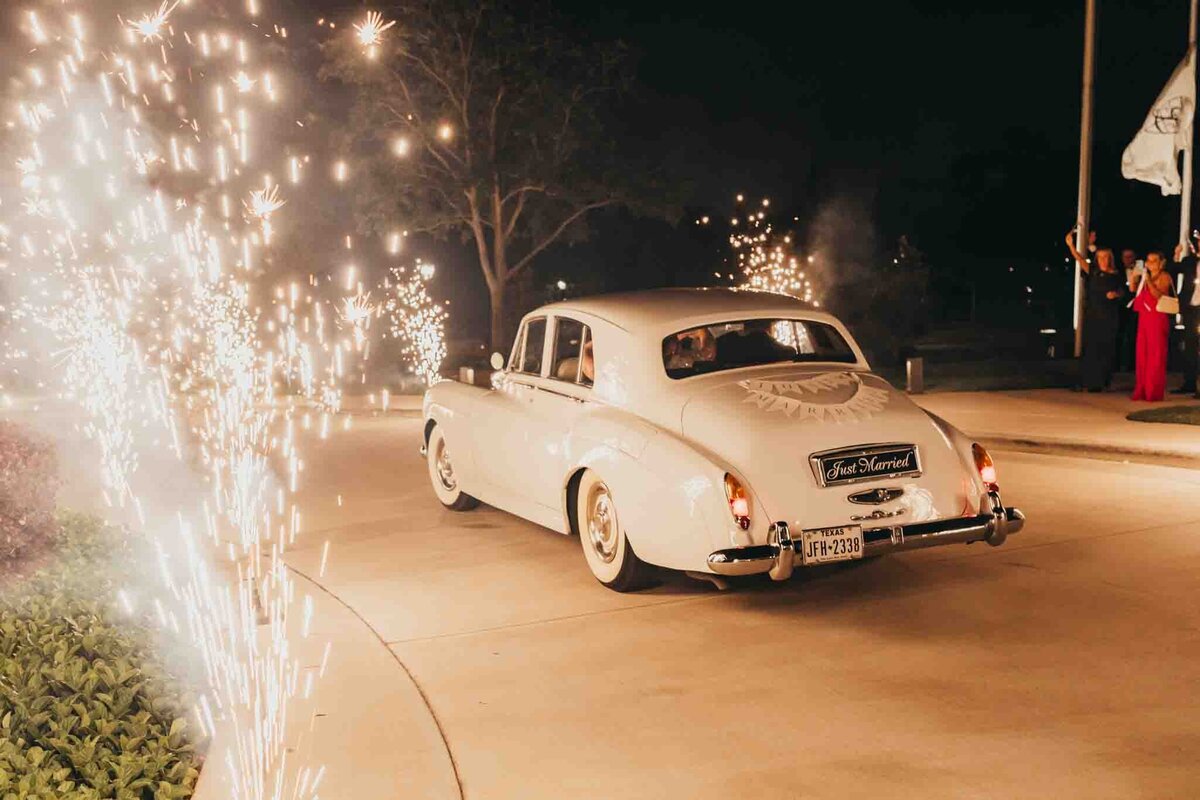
(715,431)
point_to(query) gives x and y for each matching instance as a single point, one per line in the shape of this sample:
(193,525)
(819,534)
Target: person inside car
(754,344)
(588,368)
(685,349)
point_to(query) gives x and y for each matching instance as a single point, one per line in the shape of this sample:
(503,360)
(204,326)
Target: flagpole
(1185,207)
(1085,165)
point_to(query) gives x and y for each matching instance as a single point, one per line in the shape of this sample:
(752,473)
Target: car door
(504,427)
(560,396)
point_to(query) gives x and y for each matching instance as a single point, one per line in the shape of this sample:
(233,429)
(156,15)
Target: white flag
(1151,156)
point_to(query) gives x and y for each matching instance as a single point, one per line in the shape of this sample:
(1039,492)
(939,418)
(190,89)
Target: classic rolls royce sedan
(719,432)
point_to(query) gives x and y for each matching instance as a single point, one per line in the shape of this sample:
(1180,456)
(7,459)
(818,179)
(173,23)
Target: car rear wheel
(605,547)
(441,475)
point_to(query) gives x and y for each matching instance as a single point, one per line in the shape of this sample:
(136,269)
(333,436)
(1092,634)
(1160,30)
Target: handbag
(1168,303)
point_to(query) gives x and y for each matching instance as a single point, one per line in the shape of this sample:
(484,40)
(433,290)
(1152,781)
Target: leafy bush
(87,708)
(28,486)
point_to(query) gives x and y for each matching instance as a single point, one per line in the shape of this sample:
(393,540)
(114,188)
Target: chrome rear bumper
(780,555)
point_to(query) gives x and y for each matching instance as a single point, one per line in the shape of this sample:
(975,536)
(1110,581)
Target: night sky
(956,125)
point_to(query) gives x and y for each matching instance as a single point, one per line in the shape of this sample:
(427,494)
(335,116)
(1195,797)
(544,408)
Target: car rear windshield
(751,343)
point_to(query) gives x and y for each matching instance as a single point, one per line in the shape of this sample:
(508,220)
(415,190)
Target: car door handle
(571,397)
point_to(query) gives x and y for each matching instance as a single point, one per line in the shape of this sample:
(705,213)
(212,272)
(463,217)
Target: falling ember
(35,28)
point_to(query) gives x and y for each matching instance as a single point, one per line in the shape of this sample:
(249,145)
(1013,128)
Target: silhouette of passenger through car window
(754,344)
(684,350)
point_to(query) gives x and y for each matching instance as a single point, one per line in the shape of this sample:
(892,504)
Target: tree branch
(480,239)
(557,232)
(516,214)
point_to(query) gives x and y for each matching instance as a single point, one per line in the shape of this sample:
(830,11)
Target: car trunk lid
(769,424)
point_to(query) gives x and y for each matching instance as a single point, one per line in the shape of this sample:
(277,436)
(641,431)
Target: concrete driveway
(1064,664)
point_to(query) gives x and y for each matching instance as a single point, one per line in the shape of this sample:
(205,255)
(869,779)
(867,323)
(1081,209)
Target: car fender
(670,493)
(961,444)
(450,405)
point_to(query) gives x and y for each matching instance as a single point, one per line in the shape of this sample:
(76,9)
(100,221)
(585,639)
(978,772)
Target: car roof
(660,308)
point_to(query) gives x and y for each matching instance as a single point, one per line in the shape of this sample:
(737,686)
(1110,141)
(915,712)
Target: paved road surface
(1064,664)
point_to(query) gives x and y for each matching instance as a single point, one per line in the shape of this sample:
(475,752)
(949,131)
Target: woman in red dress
(1153,329)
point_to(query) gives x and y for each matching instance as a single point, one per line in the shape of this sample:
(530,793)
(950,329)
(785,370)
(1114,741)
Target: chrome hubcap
(445,471)
(602,524)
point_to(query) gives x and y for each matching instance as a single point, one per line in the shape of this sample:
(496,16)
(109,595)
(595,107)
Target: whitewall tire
(605,546)
(442,475)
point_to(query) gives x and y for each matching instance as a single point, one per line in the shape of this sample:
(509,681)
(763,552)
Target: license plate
(822,545)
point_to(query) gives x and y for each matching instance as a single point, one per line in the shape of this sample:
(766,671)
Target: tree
(471,118)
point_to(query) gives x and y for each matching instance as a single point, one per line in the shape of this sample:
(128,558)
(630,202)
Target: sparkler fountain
(767,260)
(140,285)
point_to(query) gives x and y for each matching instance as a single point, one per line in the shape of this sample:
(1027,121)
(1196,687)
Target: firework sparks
(145,288)
(150,26)
(370,32)
(767,260)
(155,336)
(243,82)
(416,320)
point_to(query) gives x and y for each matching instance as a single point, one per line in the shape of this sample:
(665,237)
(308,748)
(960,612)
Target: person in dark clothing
(1127,327)
(1105,293)
(1187,267)
(754,344)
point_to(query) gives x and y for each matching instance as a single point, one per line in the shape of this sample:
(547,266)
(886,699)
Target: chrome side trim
(878,513)
(556,393)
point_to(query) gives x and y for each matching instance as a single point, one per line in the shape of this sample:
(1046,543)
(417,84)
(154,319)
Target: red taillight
(986,467)
(739,503)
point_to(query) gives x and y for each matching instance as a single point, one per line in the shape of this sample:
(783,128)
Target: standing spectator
(1189,310)
(1127,328)
(1154,328)
(1105,288)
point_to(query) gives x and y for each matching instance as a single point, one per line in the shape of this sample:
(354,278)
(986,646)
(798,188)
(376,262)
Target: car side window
(535,340)
(572,360)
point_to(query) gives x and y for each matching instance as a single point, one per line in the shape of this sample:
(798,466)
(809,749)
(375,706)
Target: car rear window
(750,343)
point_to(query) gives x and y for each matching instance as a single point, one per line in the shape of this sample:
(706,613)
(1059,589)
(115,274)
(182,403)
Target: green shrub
(28,486)
(88,709)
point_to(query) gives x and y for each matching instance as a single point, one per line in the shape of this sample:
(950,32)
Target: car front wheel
(605,546)
(441,475)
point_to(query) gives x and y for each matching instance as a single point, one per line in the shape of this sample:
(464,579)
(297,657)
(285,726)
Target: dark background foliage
(955,126)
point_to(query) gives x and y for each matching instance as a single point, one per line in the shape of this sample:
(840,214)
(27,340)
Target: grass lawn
(90,704)
(1177,415)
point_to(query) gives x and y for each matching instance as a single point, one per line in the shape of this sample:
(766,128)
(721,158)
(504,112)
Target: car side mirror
(497,361)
